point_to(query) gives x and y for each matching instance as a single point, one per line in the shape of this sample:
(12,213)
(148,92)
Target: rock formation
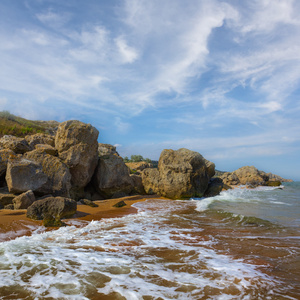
(24,200)
(181,174)
(112,177)
(77,146)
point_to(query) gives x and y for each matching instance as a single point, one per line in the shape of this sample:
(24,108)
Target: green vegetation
(17,126)
(137,158)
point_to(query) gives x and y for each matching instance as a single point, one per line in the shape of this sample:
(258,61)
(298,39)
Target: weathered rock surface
(5,154)
(16,144)
(181,174)
(23,175)
(137,182)
(230,178)
(112,176)
(106,149)
(57,207)
(24,200)
(47,149)
(77,146)
(273,177)
(58,177)
(39,138)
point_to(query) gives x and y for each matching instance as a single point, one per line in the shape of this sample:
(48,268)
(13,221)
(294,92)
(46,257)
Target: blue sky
(218,77)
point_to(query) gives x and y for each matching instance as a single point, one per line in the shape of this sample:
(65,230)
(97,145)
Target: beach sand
(14,223)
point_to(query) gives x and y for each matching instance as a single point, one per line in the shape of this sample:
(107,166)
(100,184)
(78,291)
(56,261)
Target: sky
(218,77)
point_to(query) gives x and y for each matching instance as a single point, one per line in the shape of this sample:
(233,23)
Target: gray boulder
(57,207)
(24,200)
(112,176)
(181,174)
(214,188)
(77,146)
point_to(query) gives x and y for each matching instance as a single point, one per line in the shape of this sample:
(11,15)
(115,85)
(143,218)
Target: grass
(20,127)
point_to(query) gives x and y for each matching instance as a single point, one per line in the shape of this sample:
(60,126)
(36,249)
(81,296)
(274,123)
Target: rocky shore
(50,175)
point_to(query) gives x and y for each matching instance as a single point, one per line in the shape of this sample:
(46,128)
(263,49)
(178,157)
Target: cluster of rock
(47,174)
(250,176)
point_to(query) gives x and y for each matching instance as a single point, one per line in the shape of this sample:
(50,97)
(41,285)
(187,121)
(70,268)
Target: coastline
(14,223)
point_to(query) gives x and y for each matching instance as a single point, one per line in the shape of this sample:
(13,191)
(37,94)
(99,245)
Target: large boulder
(40,172)
(16,144)
(215,186)
(58,175)
(251,176)
(181,174)
(230,178)
(24,200)
(112,176)
(39,138)
(23,175)
(57,207)
(77,146)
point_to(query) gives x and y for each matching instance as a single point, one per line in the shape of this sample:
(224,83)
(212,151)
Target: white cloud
(128,54)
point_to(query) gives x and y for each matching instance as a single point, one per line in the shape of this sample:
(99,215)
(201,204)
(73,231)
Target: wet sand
(14,223)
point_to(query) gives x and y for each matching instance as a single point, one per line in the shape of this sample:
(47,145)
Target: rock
(137,166)
(107,149)
(120,204)
(5,154)
(50,221)
(1,206)
(230,178)
(273,177)
(88,202)
(137,184)
(16,144)
(210,166)
(6,198)
(47,149)
(39,138)
(23,175)
(58,175)
(57,207)
(215,186)
(251,176)
(181,174)
(77,146)
(112,176)
(9,206)
(272,183)
(24,200)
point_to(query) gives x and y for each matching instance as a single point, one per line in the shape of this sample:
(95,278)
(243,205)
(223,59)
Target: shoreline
(14,223)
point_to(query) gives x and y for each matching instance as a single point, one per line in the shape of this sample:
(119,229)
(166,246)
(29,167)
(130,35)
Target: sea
(241,244)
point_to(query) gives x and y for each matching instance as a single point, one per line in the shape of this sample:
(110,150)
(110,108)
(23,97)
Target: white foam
(137,253)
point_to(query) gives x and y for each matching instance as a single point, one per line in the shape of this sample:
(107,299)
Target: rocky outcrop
(77,146)
(112,177)
(16,144)
(229,178)
(107,149)
(273,177)
(24,200)
(181,174)
(57,207)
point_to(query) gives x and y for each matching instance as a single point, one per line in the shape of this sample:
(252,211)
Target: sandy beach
(14,223)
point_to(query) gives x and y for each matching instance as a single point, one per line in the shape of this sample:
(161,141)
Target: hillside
(17,126)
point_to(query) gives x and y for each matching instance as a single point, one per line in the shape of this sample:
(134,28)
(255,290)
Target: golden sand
(14,223)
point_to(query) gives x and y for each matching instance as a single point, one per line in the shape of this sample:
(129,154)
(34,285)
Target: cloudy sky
(218,77)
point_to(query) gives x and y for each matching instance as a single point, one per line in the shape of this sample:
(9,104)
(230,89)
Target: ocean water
(242,244)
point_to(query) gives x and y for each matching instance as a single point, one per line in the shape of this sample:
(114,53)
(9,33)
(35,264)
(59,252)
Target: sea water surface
(242,244)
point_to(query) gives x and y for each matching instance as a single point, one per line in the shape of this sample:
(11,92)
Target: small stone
(120,204)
